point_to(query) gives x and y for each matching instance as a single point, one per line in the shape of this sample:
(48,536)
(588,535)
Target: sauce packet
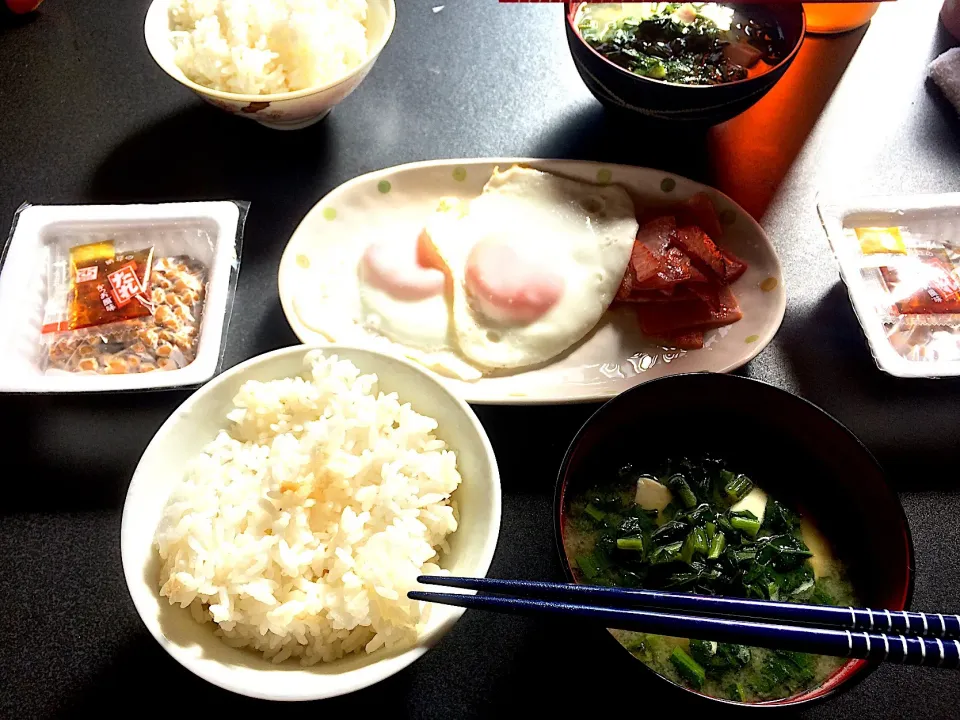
(125,311)
(900,260)
(100,286)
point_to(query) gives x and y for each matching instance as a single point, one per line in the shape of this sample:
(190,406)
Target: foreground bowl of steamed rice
(254,80)
(217,505)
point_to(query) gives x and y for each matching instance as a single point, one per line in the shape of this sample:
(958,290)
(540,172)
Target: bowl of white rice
(282,63)
(277,520)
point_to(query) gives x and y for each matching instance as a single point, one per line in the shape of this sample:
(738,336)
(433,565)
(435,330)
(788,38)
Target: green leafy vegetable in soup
(688,43)
(701,527)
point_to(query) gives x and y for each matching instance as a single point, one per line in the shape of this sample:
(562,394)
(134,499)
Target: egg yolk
(399,268)
(508,288)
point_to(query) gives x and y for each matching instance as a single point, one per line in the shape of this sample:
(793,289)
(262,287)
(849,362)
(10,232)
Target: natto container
(205,236)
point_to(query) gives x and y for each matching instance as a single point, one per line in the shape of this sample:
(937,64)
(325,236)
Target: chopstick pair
(878,635)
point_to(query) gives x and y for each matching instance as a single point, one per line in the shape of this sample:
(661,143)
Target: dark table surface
(87,117)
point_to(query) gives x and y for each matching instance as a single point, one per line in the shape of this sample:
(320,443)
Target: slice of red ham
(700,211)
(677,278)
(702,250)
(659,264)
(652,240)
(656,236)
(709,293)
(675,267)
(668,319)
(647,249)
(696,210)
(692,340)
(735,267)
(664,295)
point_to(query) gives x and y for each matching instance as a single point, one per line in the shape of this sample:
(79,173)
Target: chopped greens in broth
(686,43)
(698,526)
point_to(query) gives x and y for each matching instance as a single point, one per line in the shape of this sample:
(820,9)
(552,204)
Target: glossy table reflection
(87,117)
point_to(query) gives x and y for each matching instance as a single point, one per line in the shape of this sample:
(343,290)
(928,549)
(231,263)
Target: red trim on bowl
(573,7)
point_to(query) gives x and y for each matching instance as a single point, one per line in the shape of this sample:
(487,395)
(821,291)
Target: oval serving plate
(614,356)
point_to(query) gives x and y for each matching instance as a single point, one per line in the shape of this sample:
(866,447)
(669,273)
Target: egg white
(338,305)
(423,324)
(582,232)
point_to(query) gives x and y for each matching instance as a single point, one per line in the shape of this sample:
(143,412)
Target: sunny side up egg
(403,298)
(387,299)
(533,263)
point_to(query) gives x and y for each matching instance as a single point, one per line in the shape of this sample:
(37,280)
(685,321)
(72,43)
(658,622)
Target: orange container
(838,17)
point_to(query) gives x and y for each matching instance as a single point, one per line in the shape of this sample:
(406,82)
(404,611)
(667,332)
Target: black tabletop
(88,118)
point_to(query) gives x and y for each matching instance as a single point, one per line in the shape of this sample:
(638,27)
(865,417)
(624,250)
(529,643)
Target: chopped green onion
(630,543)
(747,523)
(695,544)
(649,67)
(594,512)
(681,490)
(688,668)
(737,693)
(589,566)
(702,542)
(717,546)
(738,487)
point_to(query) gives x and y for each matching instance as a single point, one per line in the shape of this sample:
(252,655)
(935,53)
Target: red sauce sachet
(926,284)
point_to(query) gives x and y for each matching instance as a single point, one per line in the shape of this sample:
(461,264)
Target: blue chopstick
(846,618)
(874,646)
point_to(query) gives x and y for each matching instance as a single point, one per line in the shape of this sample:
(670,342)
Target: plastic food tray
(926,224)
(209,231)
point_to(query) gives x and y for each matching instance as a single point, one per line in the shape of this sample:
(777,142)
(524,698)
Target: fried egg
(388,299)
(400,297)
(532,263)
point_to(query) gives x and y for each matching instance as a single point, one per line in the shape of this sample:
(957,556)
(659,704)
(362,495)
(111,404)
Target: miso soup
(685,43)
(699,526)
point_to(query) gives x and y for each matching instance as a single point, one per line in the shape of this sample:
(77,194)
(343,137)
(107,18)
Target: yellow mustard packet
(876,240)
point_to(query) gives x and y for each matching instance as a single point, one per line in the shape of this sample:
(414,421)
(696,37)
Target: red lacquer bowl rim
(570,12)
(849,674)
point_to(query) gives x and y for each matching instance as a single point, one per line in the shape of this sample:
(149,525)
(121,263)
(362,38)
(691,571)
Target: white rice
(258,47)
(300,530)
